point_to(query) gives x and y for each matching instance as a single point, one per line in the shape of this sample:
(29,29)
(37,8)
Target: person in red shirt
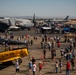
(68,67)
(58,44)
(40,67)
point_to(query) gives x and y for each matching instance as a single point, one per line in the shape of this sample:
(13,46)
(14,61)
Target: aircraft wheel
(29,29)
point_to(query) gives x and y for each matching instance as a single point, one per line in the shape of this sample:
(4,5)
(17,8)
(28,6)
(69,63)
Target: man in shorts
(17,67)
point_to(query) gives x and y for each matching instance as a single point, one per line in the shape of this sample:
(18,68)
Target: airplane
(13,54)
(11,42)
(60,21)
(14,24)
(7,24)
(24,24)
(54,21)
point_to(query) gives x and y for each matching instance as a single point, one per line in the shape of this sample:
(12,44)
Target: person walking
(58,44)
(53,53)
(30,65)
(73,63)
(31,42)
(40,67)
(17,67)
(56,67)
(62,52)
(60,65)
(33,60)
(34,68)
(44,50)
(68,67)
(49,46)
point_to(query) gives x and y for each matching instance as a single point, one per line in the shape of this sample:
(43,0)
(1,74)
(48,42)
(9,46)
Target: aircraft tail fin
(34,20)
(9,22)
(66,18)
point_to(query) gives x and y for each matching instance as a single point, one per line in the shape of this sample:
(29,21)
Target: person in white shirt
(49,46)
(62,52)
(34,68)
(17,67)
(56,67)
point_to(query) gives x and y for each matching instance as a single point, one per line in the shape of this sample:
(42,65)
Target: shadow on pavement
(24,72)
(6,64)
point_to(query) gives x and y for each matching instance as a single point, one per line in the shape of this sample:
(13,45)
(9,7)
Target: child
(40,67)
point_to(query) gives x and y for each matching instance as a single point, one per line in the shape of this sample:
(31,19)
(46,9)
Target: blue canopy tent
(66,29)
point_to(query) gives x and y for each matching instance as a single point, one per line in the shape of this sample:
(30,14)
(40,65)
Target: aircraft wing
(10,59)
(15,42)
(11,42)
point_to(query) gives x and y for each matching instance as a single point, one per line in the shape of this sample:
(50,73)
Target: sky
(43,8)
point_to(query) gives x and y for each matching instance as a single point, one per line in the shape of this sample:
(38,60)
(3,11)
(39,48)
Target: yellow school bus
(13,54)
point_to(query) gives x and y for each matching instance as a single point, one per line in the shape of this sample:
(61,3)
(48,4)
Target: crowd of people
(67,54)
(51,44)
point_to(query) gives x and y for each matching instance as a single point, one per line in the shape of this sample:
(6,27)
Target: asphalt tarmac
(36,51)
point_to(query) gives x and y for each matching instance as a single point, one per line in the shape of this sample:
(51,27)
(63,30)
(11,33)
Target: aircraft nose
(25,52)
